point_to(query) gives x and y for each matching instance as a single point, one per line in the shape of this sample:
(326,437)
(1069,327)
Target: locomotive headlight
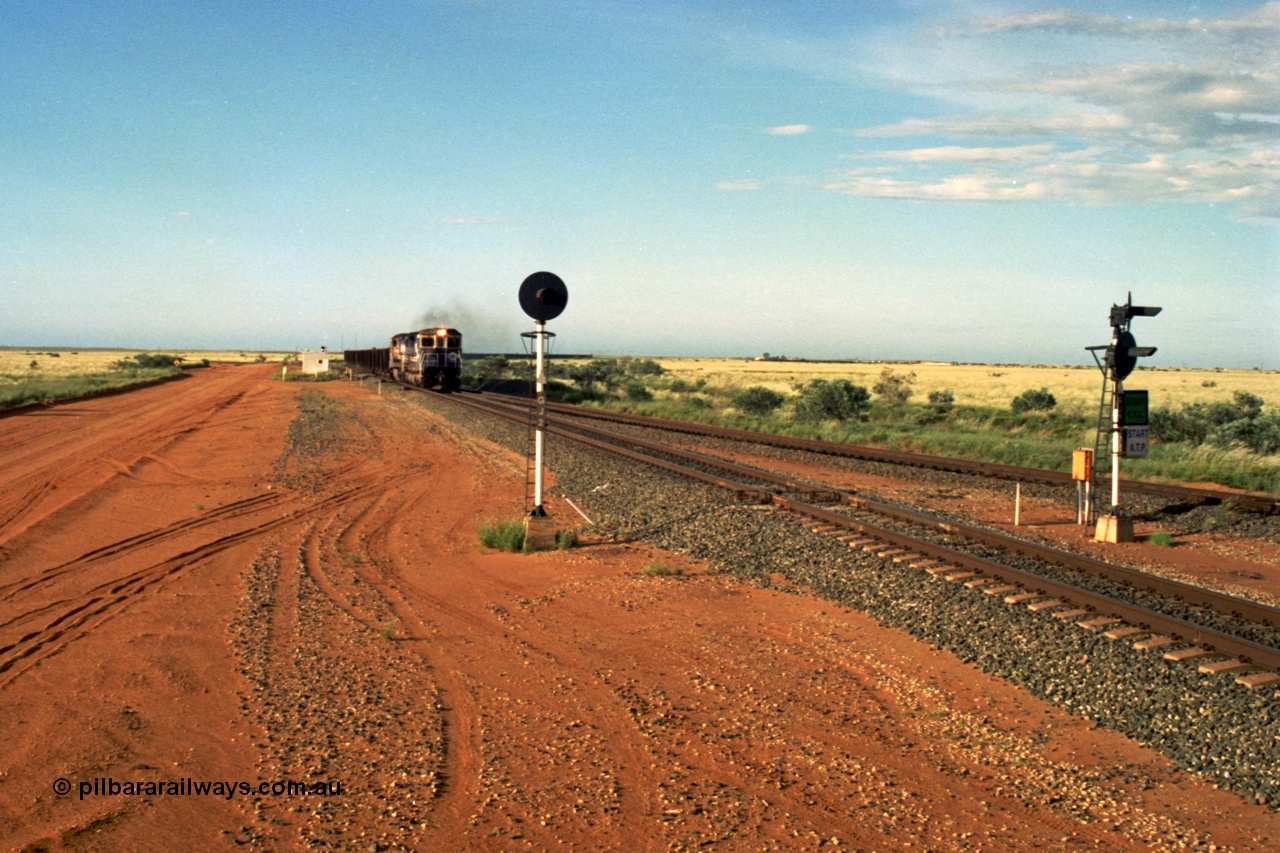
(442,331)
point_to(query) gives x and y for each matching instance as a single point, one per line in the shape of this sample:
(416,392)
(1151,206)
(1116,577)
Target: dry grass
(1076,388)
(43,375)
(17,362)
(981,425)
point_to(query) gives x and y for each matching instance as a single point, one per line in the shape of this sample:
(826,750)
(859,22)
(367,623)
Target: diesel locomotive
(429,358)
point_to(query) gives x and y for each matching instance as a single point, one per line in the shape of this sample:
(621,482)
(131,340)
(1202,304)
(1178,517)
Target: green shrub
(146,360)
(1239,422)
(758,401)
(637,391)
(642,367)
(837,399)
(662,570)
(494,367)
(502,535)
(1161,538)
(566,539)
(942,401)
(894,388)
(563,392)
(600,371)
(1033,401)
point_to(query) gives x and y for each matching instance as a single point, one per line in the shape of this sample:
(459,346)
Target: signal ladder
(1101,446)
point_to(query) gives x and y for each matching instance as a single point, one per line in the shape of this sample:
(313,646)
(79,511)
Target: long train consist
(430,358)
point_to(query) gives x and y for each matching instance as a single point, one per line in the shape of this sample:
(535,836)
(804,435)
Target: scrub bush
(758,401)
(837,399)
(1033,401)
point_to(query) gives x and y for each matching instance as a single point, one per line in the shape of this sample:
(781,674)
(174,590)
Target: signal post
(1128,417)
(542,296)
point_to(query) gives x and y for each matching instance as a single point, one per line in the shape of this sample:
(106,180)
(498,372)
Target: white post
(540,385)
(1116,439)
(1017,506)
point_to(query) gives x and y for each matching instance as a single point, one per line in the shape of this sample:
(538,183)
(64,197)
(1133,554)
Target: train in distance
(428,358)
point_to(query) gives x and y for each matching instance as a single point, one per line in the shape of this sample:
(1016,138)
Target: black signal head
(1124,360)
(543,296)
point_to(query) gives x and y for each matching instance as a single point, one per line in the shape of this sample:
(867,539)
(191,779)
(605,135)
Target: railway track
(1252,502)
(1218,632)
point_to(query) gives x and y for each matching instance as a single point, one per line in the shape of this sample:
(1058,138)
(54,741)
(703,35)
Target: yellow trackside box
(1082,464)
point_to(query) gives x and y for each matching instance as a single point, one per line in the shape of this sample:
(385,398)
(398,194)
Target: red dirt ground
(170,611)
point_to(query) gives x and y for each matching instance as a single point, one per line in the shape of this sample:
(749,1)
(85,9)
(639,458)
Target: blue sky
(972,181)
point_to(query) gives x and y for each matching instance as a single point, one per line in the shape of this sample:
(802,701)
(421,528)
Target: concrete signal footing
(1114,529)
(539,533)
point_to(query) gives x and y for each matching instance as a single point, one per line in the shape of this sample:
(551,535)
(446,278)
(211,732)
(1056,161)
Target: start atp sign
(1136,441)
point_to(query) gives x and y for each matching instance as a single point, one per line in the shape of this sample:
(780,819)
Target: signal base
(1114,529)
(539,531)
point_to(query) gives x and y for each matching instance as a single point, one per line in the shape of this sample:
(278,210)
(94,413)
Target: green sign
(1133,408)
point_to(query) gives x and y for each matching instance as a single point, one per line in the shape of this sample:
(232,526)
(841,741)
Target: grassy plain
(31,375)
(979,424)
(1076,388)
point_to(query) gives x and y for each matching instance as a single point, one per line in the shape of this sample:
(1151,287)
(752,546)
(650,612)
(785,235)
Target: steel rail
(1248,501)
(1251,611)
(759,495)
(1228,644)
(1220,602)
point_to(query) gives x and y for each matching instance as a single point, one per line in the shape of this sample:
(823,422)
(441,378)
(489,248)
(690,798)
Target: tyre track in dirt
(116,549)
(338,696)
(487,657)
(50,601)
(356,561)
(44,470)
(72,618)
(367,563)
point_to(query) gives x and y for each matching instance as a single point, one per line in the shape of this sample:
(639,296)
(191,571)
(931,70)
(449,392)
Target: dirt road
(207,591)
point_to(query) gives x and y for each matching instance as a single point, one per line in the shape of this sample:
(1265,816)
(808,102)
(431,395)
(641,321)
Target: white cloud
(961,154)
(994,126)
(788,130)
(739,185)
(975,186)
(1088,176)
(1135,110)
(1260,24)
(1176,96)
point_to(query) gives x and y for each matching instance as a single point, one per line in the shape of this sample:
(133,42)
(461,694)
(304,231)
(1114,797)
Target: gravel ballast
(1205,724)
